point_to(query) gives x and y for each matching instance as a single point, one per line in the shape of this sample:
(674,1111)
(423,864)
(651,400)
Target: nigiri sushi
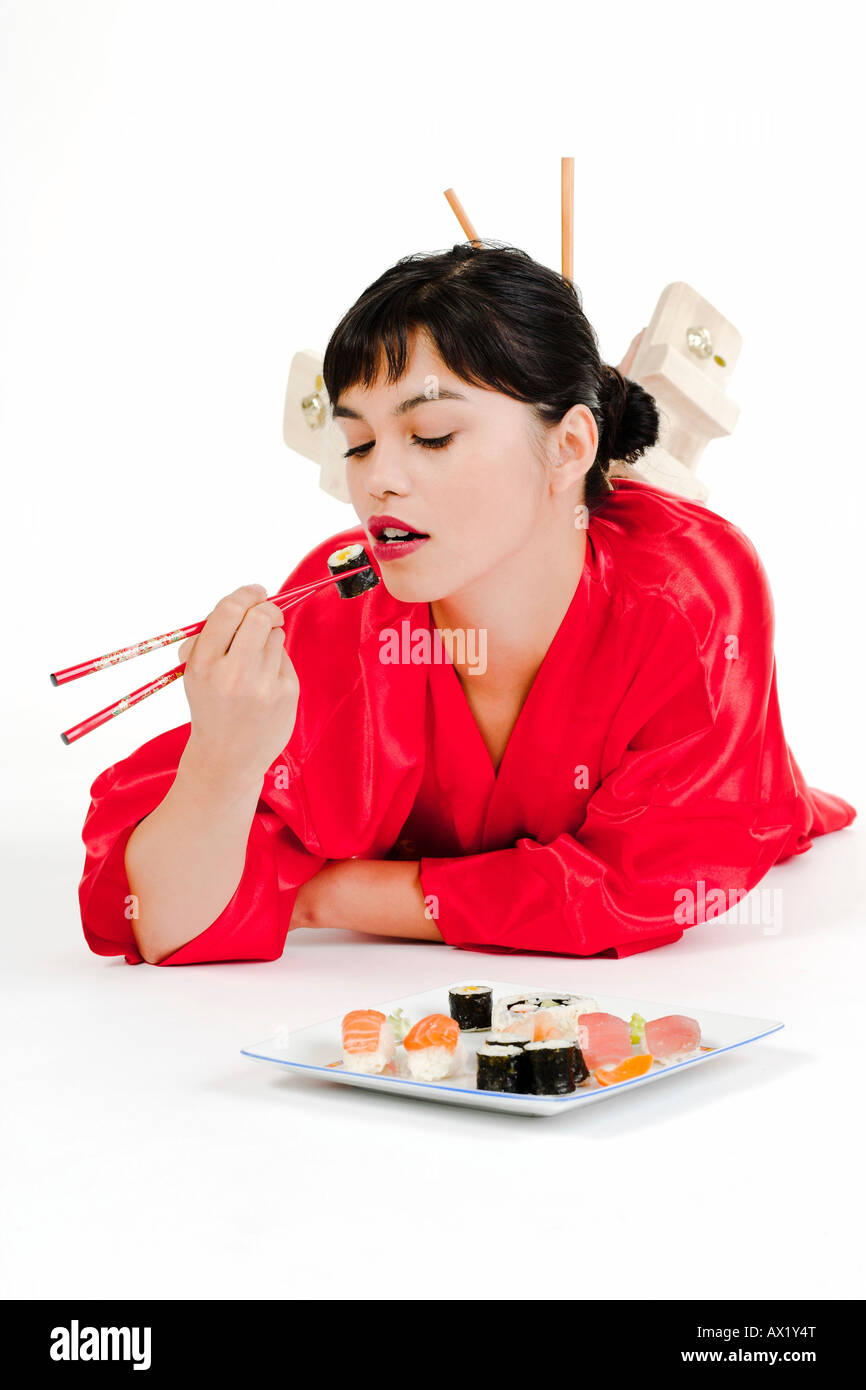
(368,1041)
(673,1038)
(433,1048)
(604,1040)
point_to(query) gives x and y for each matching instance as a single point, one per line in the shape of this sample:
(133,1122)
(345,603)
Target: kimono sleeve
(698,806)
(252,926)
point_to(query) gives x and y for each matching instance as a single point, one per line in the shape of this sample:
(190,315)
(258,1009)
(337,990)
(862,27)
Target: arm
(185,863)
(185,860)
(254,923)
(645,865)
(380,896)
(696,800)
(696,804)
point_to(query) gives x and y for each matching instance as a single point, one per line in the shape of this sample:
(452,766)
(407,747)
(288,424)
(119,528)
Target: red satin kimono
(648,759)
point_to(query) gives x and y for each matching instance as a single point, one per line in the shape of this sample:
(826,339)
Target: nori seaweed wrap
(554,1069)
(349,558)
(500,1069)
(509,1040)
(471,1006)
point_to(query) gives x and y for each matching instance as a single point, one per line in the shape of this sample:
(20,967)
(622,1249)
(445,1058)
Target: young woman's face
(477,495)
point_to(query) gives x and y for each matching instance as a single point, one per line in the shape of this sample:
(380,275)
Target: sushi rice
(564,1009)
(435,1063)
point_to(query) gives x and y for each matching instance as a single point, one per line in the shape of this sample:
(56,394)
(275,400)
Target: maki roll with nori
(506,1040)
(471,1006)
(511,1040)
(556,1067)
(349,558)
(500,1069)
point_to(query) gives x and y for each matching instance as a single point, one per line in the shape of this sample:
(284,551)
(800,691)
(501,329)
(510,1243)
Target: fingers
(218,633)
(275,659)
(248,644)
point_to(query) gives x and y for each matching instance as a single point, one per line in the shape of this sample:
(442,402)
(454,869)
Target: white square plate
(317,1051)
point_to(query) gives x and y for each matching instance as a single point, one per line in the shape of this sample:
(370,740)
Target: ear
(574,445)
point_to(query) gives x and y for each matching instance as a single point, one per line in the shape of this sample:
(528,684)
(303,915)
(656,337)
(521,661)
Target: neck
(518,607)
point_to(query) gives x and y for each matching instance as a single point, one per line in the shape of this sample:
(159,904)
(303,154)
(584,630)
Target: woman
(599,766)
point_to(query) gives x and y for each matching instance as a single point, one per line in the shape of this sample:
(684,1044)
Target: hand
(625,365)
(241,686)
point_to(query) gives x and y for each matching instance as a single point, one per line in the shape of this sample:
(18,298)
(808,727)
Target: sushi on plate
(368,1041)
(433,1049)
(673,1038)
(604,1040)
(556,1066)
(562,1013)
(500,1067)
(471,1006)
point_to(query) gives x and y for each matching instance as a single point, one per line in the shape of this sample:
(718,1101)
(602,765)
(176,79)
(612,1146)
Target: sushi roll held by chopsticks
(349,558)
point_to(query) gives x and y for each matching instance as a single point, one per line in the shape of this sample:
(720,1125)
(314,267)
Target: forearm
(185,860)
(381,896)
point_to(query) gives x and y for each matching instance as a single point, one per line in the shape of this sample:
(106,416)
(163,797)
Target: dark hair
(500,320)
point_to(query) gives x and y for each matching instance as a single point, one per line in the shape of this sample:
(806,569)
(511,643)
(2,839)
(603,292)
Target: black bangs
(481,306)
(498,320)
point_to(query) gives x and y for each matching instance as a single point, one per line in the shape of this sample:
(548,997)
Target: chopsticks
(285,599)
(567,206)
(290,597)
(567,199)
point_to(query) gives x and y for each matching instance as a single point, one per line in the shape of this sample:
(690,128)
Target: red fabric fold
(648,762)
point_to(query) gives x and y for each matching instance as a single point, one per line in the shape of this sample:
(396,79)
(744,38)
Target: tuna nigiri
(604,1040)
(433,1047)
(673,1038)
(368,1041)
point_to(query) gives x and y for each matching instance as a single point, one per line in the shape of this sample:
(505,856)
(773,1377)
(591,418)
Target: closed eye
(361,449)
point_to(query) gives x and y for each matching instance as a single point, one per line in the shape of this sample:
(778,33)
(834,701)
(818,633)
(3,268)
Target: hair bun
(631,417)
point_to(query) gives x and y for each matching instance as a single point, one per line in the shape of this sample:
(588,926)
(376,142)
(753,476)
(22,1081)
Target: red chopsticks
(285,599)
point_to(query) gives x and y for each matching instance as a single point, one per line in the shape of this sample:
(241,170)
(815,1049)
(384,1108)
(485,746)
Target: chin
(407,589)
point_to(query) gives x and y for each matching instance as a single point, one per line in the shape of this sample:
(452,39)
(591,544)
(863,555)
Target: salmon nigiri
(368,1041)
(433,1047)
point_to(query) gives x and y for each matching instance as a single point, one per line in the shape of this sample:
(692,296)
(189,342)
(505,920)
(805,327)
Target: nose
(384,472)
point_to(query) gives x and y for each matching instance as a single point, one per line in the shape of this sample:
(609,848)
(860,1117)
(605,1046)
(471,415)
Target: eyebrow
(402,408)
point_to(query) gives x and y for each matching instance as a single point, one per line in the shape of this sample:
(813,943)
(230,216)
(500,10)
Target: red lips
(376,526)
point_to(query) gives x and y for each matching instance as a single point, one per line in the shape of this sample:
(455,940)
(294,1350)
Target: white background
(191,193)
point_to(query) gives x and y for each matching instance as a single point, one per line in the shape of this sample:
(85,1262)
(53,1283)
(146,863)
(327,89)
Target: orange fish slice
(436,1030)
(362,1029)
(626,1071)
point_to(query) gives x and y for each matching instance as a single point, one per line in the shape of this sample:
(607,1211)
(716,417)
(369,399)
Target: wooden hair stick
(460,214)
(567,178)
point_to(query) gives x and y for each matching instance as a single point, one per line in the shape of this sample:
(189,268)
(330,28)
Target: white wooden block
(308,427)
(685,360)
